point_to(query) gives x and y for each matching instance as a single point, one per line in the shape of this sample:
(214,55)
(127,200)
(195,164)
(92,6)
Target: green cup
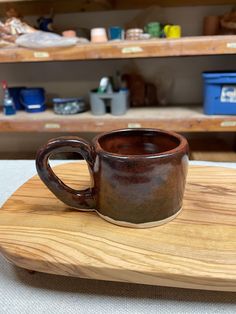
(154,29)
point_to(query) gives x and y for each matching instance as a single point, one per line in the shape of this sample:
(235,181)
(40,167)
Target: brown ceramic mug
(138,175)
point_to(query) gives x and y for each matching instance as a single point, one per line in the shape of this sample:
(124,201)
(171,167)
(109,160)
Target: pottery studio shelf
(181,119)
(186,46)
(39,7)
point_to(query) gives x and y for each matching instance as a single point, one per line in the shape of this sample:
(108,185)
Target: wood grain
(218,156)
(186,46)
(181,119)
(29,7)
(196,250)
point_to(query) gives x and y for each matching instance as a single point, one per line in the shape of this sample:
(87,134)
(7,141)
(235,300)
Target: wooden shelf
(187,46)
(40,7)
(181,119)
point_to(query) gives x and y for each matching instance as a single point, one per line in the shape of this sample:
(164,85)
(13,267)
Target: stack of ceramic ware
(134,34)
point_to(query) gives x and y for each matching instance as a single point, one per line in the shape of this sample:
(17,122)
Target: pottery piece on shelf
(154,29)
(98,35)
(172,31)
(116,33)
(211,25)
(69,33)
(134,33)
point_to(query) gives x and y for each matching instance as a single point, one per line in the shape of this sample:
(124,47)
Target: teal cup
(116,33)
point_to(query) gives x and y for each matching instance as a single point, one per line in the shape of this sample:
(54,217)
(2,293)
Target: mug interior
(138,142)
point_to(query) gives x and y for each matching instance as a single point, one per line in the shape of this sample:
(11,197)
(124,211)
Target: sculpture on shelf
(46,23)
(220,25)
(228,22)
(14,26)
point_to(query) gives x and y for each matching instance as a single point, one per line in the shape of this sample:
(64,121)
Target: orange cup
(69,33)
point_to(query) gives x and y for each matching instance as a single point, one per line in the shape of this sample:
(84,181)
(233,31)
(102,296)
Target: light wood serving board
(196,250)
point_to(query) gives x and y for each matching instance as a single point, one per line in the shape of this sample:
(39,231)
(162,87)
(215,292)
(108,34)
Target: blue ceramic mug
(116,33)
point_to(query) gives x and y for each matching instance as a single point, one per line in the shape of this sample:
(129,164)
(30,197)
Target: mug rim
(180,148)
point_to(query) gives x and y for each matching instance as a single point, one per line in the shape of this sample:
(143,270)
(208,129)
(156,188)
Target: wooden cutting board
(196,250)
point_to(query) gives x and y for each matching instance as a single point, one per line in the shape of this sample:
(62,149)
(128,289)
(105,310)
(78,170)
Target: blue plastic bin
(33,99)
(219,93)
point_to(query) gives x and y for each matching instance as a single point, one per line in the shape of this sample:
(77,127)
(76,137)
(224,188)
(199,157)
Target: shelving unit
(186,46)
(186,118)
(181,119)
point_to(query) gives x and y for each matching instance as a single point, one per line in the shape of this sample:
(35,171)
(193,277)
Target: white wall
(77,78)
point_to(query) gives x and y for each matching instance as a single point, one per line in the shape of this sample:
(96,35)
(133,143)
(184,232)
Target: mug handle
(166,30)
(84,199)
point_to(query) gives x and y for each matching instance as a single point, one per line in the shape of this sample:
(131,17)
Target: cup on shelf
(172,31)
(69,33)
(116,33)
(98,35)
(153,29)
(211,25)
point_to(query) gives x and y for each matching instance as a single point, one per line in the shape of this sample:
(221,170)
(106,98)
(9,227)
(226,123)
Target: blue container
(116,33)
(220,93)
(15,94)
(33,99)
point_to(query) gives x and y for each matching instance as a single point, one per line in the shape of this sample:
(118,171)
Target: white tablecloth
(21,292)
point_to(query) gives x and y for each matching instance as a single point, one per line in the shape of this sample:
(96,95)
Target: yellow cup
(172,31)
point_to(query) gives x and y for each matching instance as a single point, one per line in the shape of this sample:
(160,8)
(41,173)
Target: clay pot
(211,25)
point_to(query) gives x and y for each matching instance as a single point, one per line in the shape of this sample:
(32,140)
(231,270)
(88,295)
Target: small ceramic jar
(211,25)
(69,33)
(98,35)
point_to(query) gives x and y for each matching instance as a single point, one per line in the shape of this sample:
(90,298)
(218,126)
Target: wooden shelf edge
(186,46)
(180,119)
